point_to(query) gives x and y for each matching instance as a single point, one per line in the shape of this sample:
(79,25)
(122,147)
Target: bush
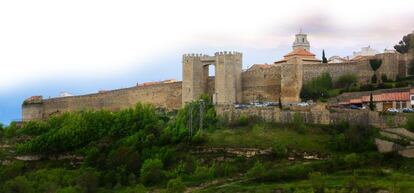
(374,79)
(298,123)
(317,182)
(203,173)
(367,87)
(346,81)
(384,78)
(69,189)
(317,87)
(257,171)
(88,181)
(355,138)
(279,150)
(151,171)
(243,120)
(385,86)
(410,123)
(351,159)
(175,186)
(18,185)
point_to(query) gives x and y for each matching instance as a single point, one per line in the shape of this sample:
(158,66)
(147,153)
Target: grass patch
(403,183)
(265,135)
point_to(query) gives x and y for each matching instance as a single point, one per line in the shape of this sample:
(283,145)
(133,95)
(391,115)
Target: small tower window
(303,40)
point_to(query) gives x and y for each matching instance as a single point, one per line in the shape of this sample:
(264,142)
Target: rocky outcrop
(398,140)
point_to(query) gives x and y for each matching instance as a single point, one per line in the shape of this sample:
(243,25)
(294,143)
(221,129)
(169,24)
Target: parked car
(407,110)
(271,104)
(392,110)
(240,106)
(303,104)
(354,107)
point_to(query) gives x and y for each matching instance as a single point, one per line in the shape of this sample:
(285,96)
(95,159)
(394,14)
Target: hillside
(149,150)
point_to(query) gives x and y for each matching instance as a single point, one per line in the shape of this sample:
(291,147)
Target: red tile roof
(383,97)
(299,52)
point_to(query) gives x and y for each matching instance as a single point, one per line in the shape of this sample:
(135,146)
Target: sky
(82,46)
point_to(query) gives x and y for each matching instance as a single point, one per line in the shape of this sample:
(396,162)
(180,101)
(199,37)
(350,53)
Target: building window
(303,40)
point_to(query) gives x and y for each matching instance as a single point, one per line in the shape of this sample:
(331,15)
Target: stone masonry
(262,82)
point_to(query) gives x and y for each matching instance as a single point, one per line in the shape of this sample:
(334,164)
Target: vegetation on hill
(146,149)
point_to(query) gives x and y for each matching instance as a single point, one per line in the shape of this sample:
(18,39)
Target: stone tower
(291,80)
(301,41)
(228,69)
(228,84)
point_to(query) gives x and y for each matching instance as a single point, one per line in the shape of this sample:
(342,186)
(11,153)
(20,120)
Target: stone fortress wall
(265,82)
(262,82)
(393,64)
(166,95)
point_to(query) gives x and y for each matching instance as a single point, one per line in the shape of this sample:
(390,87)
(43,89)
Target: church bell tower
(301,41)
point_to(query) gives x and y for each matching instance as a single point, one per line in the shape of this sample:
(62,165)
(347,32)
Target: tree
(346,80)
(151,171)
(280,103)
(371,103)
(317,88)
(324,60)
(374,79)
(405,44)
(375,64)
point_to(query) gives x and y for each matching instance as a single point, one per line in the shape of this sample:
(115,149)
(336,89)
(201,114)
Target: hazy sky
(82,46)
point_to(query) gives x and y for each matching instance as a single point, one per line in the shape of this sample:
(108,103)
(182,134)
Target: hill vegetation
(146,149)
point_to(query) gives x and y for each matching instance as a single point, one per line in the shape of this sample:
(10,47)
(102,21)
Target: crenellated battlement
(194,55)
(223,53)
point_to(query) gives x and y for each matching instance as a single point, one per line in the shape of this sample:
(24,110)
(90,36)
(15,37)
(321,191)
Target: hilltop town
(298,125)
(281,81)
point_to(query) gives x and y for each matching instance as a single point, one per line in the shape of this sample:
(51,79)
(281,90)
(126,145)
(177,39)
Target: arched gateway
(227,81)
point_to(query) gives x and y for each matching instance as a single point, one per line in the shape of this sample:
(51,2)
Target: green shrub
(385,85)
(69,189)
(175,186)
(384,78)
(279,150)
(351,159)
(257,171)
(298,123)
(410,123)
(356,138)
(19,184)
(317,87)
(133,189)
(88,181)
(346,81)
(203,173)
(374,79)
(317,182)
(401,84)
(152,171)
(367,87)
(243,120)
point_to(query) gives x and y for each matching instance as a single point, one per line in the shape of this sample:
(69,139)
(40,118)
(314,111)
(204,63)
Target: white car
(303,104)
(392,110)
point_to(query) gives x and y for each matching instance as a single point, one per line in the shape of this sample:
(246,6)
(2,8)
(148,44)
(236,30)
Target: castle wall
(261,82)
(392,66)
(324,117)
(167,95)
